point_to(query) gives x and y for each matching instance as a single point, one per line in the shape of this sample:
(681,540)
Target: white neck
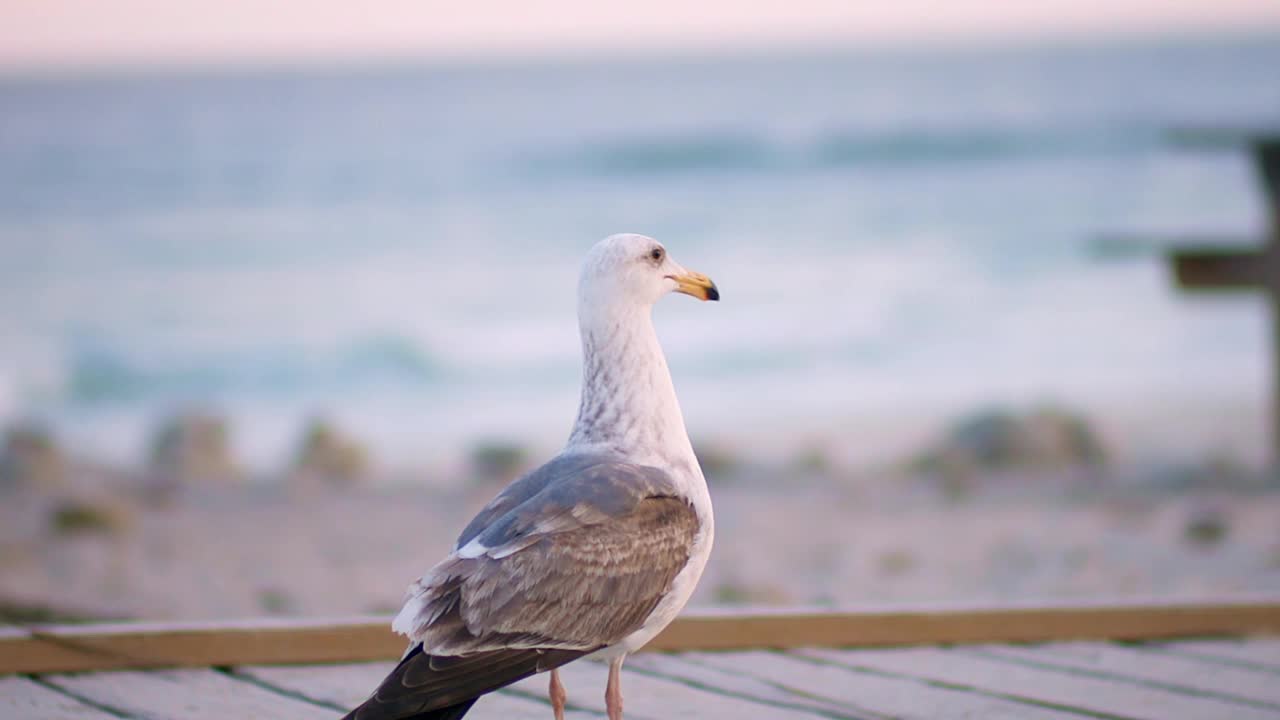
(628,402)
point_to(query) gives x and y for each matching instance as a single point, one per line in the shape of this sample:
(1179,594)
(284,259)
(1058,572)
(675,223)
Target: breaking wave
(715,151)
(104,374)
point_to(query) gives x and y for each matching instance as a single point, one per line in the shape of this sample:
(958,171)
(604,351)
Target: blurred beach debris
(1207,523)
(31,460)
(494,461)
(990,442)
(91,516)
(191,448)
(329,457)
(719,462)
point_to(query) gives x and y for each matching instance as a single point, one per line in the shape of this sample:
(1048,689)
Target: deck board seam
(231,672)
(797,691)
(725,692)
(1068,669)
(96,705)
(963,687)
(1213,659)
(836,712)
(540,699)
(843,705)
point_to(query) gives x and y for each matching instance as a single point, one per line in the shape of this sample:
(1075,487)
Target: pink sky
(79,32)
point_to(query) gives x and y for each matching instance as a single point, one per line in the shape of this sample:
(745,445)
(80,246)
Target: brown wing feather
(579,589)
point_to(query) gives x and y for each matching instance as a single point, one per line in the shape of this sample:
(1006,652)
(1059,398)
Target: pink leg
(558,695)
(613,692)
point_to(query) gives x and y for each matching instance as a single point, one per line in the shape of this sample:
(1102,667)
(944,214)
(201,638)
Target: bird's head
(634,271)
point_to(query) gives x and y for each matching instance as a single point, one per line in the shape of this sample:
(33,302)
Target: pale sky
(43,33)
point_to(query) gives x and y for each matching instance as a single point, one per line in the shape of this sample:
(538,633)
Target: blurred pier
(1255,268)
(1221,264)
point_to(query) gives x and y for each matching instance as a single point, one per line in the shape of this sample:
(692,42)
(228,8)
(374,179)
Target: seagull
(590,555)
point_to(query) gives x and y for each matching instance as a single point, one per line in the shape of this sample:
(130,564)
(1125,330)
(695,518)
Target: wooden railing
(65,648)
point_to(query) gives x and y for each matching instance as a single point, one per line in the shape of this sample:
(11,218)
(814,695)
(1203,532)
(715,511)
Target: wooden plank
(872,695)
(1101,696)
(1145,666)
(345,686)
(23,699)
(1134,620)
(655,698)
(765,692)
(1266,153)
(155,645)
(1261,654)
(139,645)
(186,694)
(342,686)
(1222,269)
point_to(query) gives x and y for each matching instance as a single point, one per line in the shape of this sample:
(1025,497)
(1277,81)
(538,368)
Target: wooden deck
(1172,677)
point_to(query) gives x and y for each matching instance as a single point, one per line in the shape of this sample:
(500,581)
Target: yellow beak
(696,284)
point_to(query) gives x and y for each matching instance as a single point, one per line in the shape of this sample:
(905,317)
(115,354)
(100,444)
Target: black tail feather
(452,712)
(425,687)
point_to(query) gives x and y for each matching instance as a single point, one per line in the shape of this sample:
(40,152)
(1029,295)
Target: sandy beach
(243,552)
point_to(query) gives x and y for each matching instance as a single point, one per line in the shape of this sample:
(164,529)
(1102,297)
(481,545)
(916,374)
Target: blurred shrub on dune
(719,462)
(989,442)
(329,457)
(190,448)
(31,459)
(495,461)
(80,516)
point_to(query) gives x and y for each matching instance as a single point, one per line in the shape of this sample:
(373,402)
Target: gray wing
(575,559)
(559,469)
(570,559)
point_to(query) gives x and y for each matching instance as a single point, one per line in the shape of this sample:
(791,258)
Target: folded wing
(557,571)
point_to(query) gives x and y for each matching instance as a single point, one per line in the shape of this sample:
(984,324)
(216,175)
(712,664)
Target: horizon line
(1066,39)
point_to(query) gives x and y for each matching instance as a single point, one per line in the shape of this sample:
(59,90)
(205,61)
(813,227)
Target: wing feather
(576,589)
(568,565)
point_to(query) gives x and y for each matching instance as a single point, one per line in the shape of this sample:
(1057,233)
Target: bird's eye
(656,255)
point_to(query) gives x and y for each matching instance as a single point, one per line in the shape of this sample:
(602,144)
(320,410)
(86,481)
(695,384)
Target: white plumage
(595,552)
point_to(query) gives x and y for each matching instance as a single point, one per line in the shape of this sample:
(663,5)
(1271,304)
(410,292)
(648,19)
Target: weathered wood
(153,645)
(1150,666)
(873,695)
(1259,653)
(1223,269)
(23,699)
(681,669)
(1008,623)
(187,694)
(128,645)
(345,686)
(1108,697)
(1266,151)
(647,697)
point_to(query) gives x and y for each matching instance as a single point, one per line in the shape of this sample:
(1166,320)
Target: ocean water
(900,236)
